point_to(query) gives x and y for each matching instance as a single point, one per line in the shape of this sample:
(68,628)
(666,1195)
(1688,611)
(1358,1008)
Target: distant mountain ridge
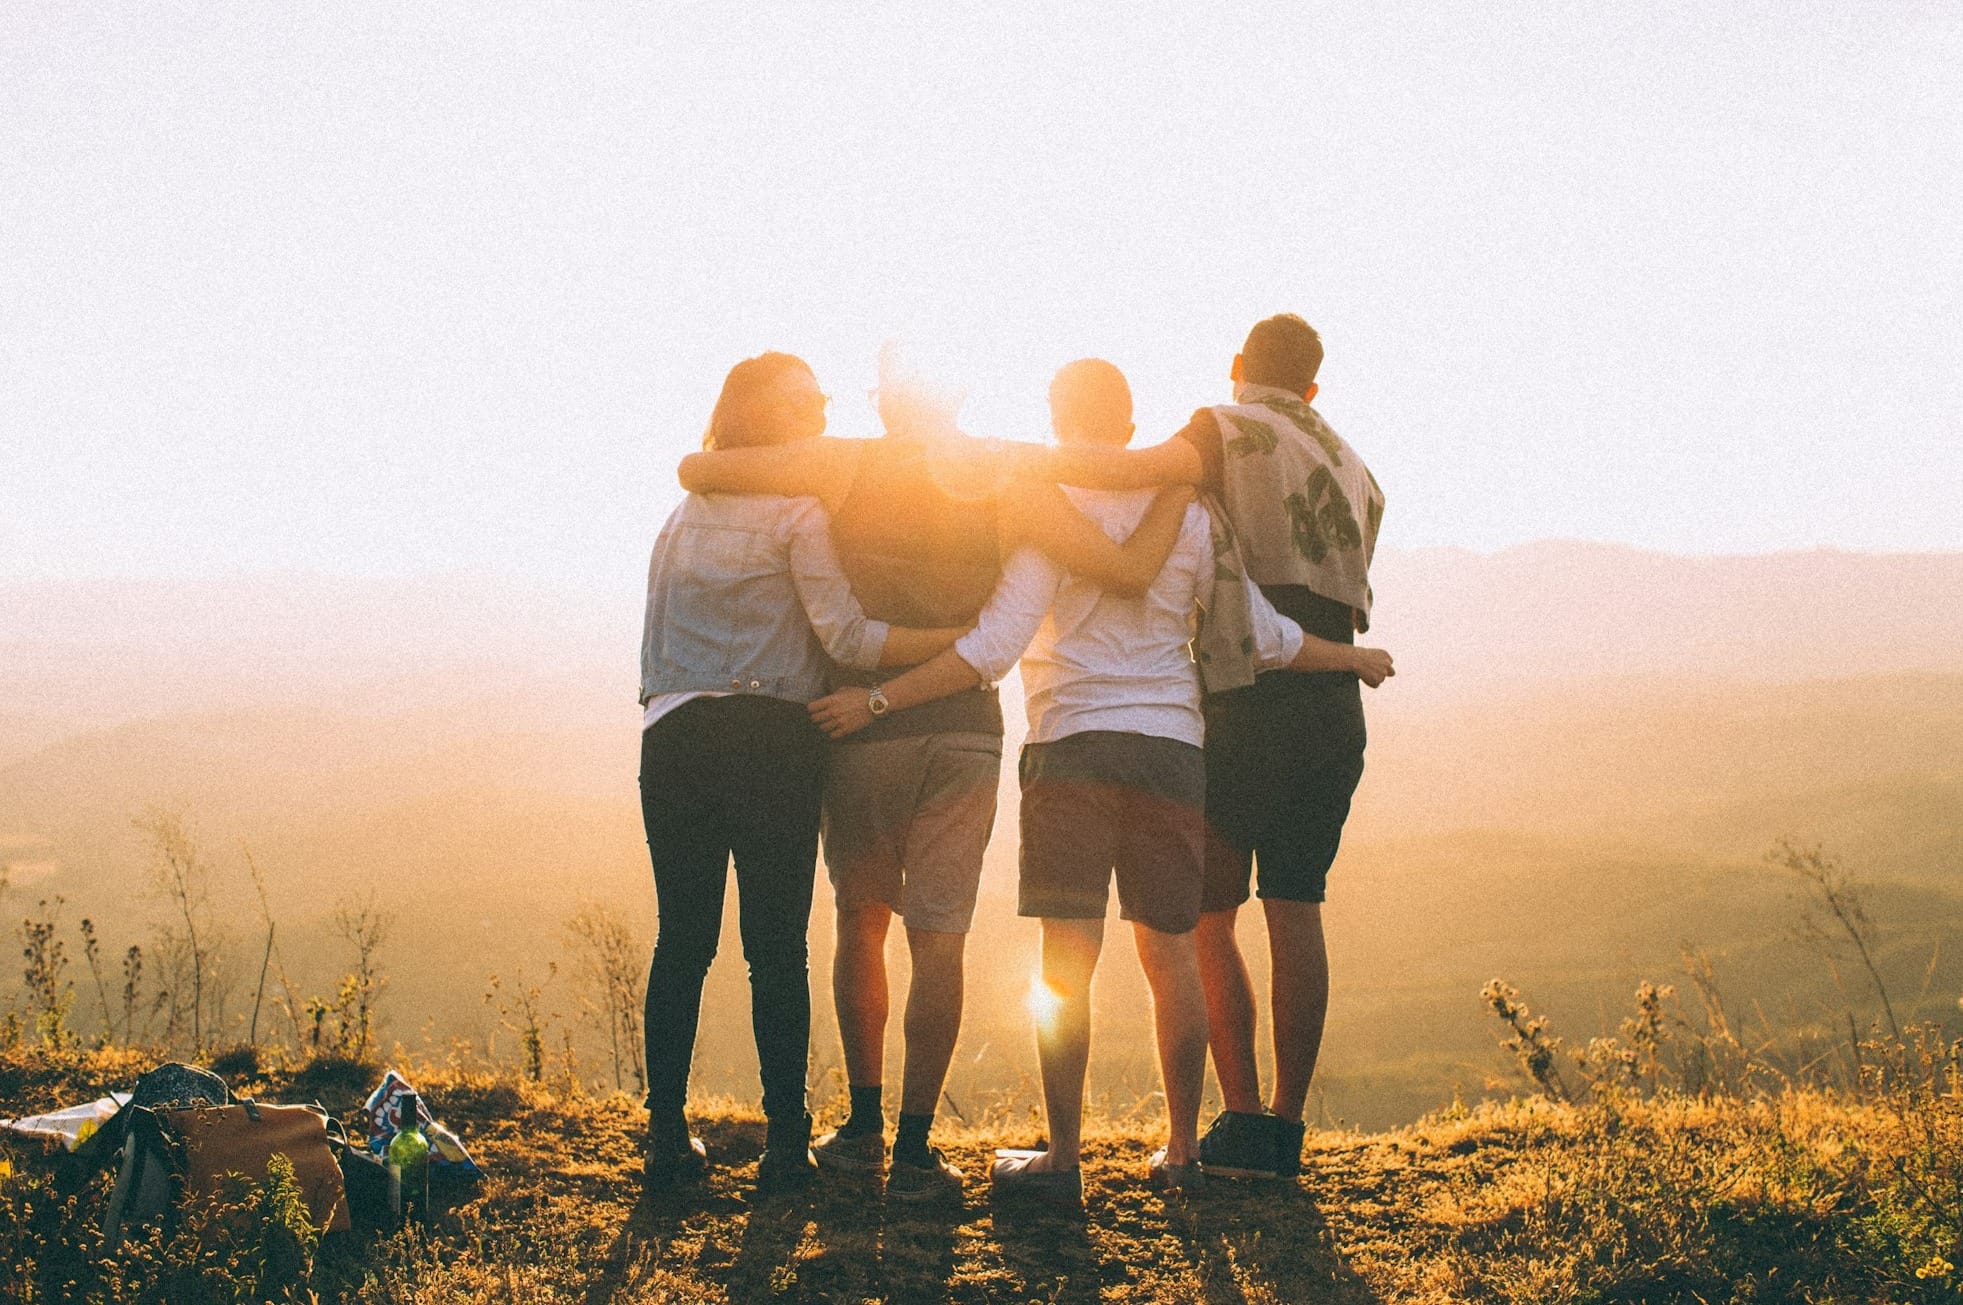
(1564,610)
(90,653)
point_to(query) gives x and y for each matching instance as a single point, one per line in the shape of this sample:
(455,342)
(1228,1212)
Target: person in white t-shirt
(1113,778)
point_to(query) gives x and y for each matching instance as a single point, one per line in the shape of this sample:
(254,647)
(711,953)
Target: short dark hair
(1095,395)
(1284,351)
(738,421)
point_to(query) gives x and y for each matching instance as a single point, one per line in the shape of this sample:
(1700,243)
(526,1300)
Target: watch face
(876,702)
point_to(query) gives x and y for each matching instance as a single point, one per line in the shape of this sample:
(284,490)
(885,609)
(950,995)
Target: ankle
(791,1131)
(867,1115)
(910,1142)
(1057,1159)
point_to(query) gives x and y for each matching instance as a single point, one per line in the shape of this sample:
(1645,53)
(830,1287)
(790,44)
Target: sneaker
(1012,1179)
(1169,1177)
(864,1154)
(939,1181)
(667,1165)
(1288,1148)
(1237,1145)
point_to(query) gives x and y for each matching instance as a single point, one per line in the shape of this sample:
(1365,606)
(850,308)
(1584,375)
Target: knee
(1169,959)
(1215,933)
(786,956)
(680,956)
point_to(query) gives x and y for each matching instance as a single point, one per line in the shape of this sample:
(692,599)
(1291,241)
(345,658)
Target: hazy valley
(1575,775)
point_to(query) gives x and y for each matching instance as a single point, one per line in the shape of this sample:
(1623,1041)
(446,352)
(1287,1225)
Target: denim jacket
(745,595)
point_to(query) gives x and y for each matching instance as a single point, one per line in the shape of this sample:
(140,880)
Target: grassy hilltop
(1796,1196)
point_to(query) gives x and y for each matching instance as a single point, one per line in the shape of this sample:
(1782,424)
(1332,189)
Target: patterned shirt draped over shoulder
(1306,510)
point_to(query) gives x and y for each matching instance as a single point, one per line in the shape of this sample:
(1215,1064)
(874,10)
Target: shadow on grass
(915,1251)
(1049,1251)
(1270,1238)
(835,1240)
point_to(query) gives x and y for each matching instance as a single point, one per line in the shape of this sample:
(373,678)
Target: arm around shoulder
(1173,462)
(820,467)
(1041,515)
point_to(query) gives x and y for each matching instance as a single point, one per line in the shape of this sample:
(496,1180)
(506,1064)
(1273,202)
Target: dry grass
(1793,1199)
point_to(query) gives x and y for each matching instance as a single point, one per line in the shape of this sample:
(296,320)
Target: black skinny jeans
(721,777)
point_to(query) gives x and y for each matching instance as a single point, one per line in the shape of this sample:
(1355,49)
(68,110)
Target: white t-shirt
(1099,661)
(663,703)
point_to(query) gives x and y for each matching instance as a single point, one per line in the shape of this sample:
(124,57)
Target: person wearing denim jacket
(745,601)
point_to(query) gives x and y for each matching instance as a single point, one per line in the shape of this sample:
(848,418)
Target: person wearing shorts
(921,520)
(1284,754)
(1113,781)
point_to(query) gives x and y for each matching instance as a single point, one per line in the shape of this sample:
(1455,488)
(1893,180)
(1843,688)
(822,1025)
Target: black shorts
(1102,801)
(1283,757)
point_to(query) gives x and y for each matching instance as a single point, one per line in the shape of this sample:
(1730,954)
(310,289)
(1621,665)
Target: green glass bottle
(408,1164)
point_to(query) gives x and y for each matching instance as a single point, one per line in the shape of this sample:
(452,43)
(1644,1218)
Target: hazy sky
(398,288)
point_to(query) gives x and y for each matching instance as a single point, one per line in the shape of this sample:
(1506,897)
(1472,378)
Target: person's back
(917,552)
(1102,661)
(724,612)
(1305,508)
(1284,754)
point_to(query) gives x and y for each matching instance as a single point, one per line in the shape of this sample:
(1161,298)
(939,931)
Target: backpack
(176,1154)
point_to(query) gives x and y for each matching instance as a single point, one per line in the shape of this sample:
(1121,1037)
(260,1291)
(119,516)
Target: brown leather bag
(241,1138)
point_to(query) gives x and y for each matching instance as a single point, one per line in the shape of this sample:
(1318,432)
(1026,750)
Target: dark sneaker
(1237,1145)
(864,1154)
(1169,1177)
(1013,1180)
(787,1163)
(667,1165)
(1288,1148)
(920,1184)
(781,1170)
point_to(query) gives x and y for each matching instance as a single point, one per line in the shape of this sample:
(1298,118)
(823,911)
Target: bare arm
(984,655)
(1039,514)
(1281,644)
(1371,665)
(846,711)
(1174,462)
(821,468)
(906,646)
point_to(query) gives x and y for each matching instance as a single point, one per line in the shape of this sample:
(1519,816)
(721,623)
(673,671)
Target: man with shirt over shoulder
(1113,777)
(1285,752)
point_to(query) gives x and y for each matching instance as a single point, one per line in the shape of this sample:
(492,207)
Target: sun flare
(1044,1003)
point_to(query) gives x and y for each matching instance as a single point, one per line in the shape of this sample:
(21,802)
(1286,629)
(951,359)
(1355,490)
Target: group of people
(827,621)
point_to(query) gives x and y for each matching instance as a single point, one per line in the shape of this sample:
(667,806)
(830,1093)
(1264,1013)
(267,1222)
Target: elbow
(690,474)
(861,654)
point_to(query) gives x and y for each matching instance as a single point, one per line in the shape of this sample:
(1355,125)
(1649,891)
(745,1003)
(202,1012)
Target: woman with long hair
(746,599)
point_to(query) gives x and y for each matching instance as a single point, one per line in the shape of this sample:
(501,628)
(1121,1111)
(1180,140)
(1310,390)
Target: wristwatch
(876,700)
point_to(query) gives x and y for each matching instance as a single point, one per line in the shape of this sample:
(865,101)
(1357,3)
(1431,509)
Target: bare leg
(933,1016)
(1063,1043)
(1229,1011)
(859,992)
(1301,999)
(1172,968)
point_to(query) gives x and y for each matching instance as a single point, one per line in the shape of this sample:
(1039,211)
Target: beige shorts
(907,821)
